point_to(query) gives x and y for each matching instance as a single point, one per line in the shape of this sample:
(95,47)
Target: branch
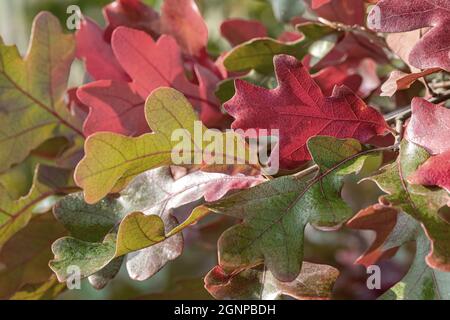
(406,111)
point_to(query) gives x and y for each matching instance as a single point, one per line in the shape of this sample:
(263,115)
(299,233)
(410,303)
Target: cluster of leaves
(87,180)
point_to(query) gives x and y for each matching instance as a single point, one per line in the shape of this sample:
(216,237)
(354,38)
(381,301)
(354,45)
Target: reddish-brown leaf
(433,50)
(399,80)
(434,172)
(329,77)
(382,220)
(299,110)
(115,107)
(429,126)
(133,14)
(237,31)
(119,106)
(182,20)
(349,12)
(318,3)
(97,53)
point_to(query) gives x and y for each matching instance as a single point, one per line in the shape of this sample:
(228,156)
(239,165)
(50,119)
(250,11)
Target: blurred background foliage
(16,16)
(182,278)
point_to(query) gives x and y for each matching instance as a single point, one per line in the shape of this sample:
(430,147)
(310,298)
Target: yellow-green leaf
(15,214)
(32,90)
(138,231)
(112,160)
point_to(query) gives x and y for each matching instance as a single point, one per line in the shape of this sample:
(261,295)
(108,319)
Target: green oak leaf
(19,179)
(140,219)
(315,281)
(87,257)
(422,203)
(421,282)
(138,231)
(86,222)
(258,54)
(16,213)
(167,111)
(32,90)
(276,213)
(30,266)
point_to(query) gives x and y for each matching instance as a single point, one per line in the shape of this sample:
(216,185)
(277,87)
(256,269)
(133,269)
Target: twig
(399,129)
(406,111)
(306,172)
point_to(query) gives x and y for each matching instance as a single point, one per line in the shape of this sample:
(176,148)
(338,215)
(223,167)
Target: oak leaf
(432,51)
(32,90)
(119,106)
(276,213)
(315,282)
(16,213)
(421,203)
(298,108)
(429,128)
(167,110)
(144,212)
(237,31)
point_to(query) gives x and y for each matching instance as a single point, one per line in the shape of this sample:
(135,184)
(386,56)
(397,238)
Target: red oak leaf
(349,12)
(329,77)
(97,53)
(399,80)
(114,107)
(182,20)
(381,219)
(358,55)
(429,126)
(434,172)
(133,14)
(210,114)
(237,31)
(354,47)
(119,106)
(433,50)
(318,3)
(299,110)
(151,64)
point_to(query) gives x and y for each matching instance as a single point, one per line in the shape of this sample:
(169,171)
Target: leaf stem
(315,167)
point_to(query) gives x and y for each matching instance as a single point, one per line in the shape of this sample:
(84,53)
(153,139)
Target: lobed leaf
(298,108)
(15,214)
(421,203)
(432,50)
(32,90)
(166,111)
(141,218)
(24,258)
(258,54)
(276,213)
(421,282)
(315,281)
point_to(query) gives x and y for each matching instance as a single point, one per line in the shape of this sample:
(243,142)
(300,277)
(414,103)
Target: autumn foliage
(357,91)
